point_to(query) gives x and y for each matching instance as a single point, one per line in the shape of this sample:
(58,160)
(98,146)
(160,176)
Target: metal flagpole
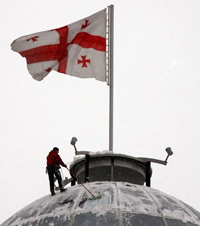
(110,71)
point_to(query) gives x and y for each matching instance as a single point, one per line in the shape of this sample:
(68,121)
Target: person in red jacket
(53,164)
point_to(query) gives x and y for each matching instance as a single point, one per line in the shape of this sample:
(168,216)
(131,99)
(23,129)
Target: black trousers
(52,170)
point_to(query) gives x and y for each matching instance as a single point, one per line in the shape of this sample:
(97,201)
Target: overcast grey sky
(156,96)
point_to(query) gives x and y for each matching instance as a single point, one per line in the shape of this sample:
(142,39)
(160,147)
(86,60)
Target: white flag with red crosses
(78,49)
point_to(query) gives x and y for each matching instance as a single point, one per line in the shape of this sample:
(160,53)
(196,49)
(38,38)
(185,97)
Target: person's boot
(52,192)
(62,190)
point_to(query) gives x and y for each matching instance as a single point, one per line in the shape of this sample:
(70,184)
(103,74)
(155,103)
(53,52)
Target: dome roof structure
(116,203)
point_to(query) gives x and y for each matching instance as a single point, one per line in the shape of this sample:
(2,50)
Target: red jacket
(54,159)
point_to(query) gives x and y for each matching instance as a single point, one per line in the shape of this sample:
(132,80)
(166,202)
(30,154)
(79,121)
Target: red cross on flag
(78,49)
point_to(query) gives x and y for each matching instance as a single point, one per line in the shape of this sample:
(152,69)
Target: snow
(116,198)
(79,157)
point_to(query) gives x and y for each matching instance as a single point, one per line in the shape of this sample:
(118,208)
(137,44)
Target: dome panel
(196,213)
(130,219)
(173,222)
(176,209)
(90,219)
(135,199)
(54,221)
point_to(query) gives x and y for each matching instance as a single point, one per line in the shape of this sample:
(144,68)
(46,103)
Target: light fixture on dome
(73,142)
(169,152)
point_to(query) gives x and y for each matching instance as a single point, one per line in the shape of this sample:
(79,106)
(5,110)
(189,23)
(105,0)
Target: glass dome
(116,203)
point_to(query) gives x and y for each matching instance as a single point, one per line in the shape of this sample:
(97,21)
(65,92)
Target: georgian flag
(78,49)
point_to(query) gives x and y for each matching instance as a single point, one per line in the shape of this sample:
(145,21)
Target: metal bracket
(169,152)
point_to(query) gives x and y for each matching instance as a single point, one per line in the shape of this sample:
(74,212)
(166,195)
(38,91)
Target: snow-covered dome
(120,203)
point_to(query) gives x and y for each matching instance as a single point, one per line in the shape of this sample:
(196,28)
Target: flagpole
(111,69)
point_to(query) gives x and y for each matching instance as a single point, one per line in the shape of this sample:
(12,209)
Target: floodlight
(73,140)
(169,151)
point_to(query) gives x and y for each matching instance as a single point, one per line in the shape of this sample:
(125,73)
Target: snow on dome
(121,203)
